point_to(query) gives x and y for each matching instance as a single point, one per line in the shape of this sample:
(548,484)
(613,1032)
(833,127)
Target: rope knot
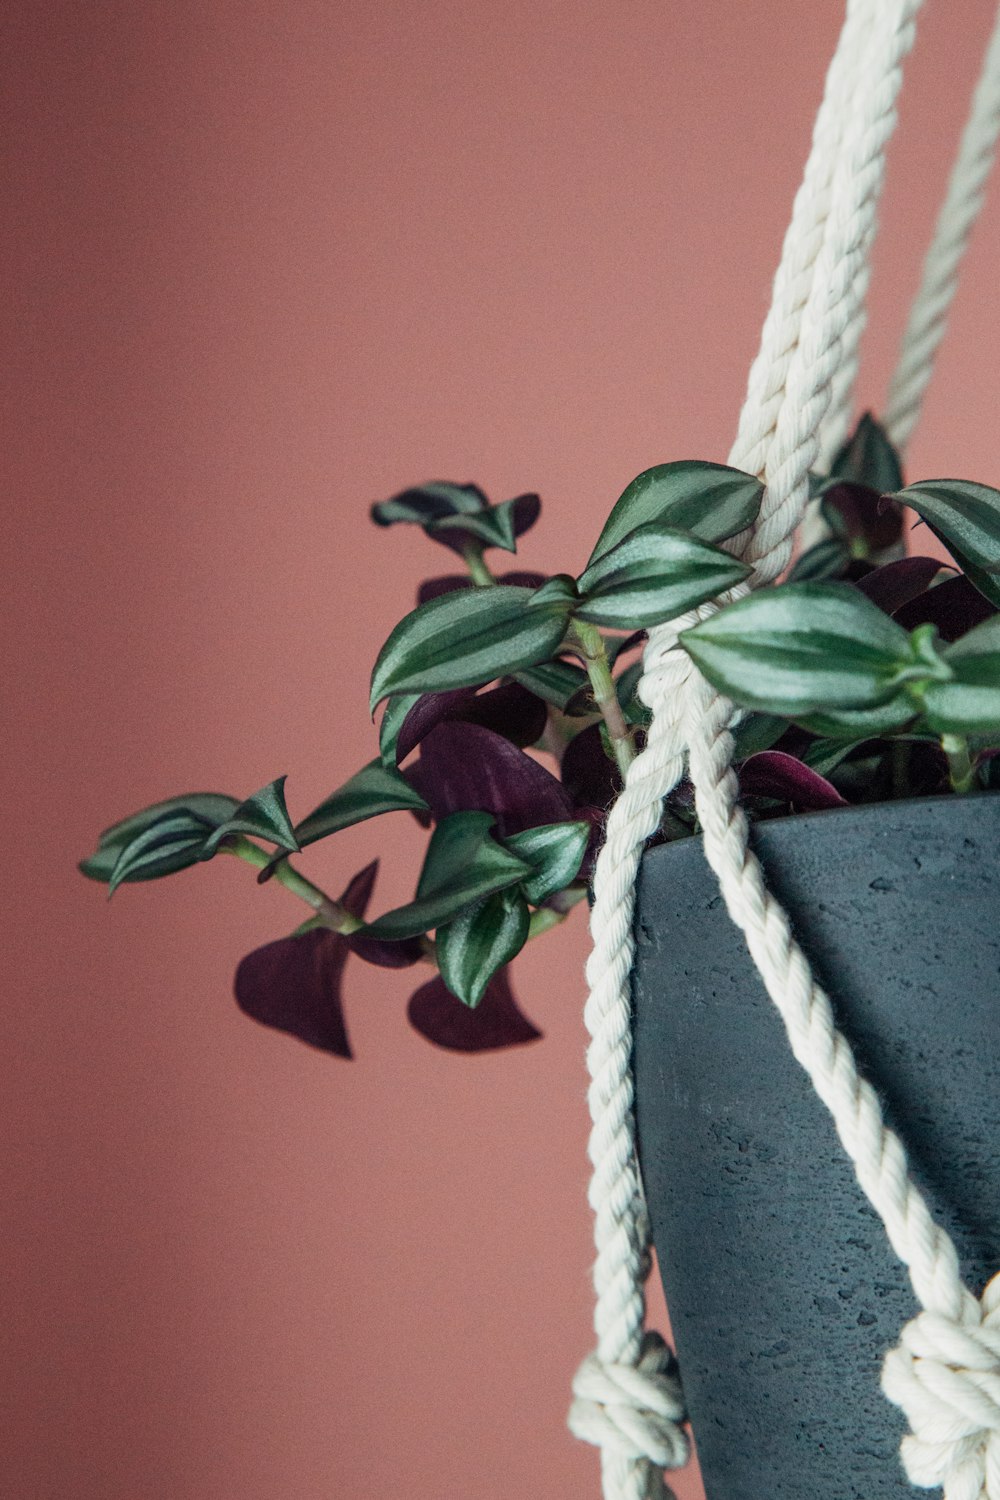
(945,1376)
(634,1410)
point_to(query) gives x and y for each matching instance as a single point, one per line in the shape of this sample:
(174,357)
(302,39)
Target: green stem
(586,640)
(478,570)
(961,771)
(332,913)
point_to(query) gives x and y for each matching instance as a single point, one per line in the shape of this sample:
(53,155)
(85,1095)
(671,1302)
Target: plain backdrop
(265,263)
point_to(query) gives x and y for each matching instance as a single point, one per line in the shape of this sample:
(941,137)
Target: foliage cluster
(865,675)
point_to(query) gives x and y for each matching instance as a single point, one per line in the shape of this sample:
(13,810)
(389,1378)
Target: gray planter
(783,1291)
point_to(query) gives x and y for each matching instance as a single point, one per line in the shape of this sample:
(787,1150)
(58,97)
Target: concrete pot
(782,1288)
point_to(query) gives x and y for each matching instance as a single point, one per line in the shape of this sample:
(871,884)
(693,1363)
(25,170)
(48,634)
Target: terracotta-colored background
(266,263)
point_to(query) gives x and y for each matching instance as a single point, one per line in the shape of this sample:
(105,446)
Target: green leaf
(464,863)
(825,755)
(396,710)
(988,584)
(626,687)
(863,723)
(375,789)
(555,853)
(493,527)
(479,941)
(818,483)
(559,591)
(173,842)
(828,559)
(756,732)
(211,807)
(711,501)
(426,503)
(970,702)
(263,815)
(465,639)
(555,682)
(966,517)
(869,458)
(652,576)
(803,647)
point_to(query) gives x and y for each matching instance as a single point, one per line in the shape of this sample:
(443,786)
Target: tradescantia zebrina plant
(866,675)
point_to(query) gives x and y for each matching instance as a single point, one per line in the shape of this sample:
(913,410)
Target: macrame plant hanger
(945,1371)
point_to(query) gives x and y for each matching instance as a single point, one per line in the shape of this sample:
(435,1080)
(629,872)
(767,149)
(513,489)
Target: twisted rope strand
(959,211)
(945,1371)
(803,239)
(621,1228)
(876,1151)
(833,303)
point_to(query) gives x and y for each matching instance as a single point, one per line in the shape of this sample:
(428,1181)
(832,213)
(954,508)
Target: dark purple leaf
(597,817)
(383,954)
(589,775)
(431,588)
(496,1021)
(359,889)
(430,710)
(466,768)
(926,769)
(953,606)
(860,514)
(896,583)
(294,985)
(509,710)
(526,510)
(772,773)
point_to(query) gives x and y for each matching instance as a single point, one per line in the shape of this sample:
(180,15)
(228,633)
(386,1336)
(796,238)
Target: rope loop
(635,1410)
(944,1374)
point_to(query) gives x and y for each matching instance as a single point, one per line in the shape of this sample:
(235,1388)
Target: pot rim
(852,812)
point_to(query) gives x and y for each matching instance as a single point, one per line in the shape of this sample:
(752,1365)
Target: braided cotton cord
(837,422)
(631,1462)
(803,239)
(946,1370)
(959,211)
(945,1373)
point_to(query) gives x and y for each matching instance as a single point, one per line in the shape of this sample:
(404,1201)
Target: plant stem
(332,913)
(478,570)
(586,640)
(961,771)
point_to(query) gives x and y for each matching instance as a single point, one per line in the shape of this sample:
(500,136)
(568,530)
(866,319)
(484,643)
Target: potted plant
(869,684)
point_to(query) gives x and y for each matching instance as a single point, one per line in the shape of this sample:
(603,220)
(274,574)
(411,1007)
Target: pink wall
(270,262)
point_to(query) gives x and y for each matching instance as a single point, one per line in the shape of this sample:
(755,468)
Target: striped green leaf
(465,639)
(479,941)
(711,501)
(653,575)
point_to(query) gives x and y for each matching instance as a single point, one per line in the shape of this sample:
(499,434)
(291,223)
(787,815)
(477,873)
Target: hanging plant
(853,680)
(847,705)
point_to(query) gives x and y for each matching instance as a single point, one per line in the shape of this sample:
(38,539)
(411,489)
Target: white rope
(816,302)
(959,211)
(838,420)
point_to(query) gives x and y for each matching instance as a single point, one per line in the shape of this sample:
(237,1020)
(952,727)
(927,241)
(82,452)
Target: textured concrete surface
(783,1291)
